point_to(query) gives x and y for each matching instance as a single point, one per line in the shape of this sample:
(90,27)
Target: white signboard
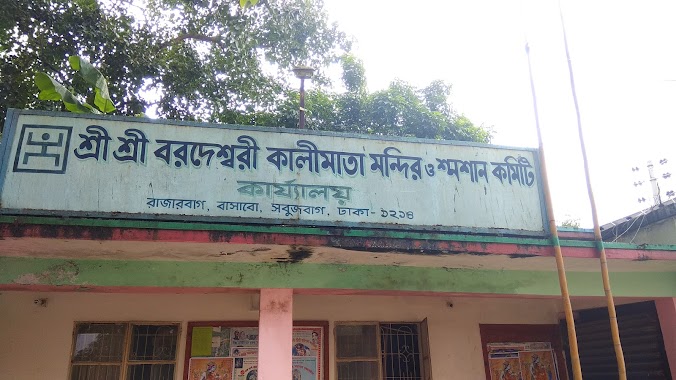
(128,167)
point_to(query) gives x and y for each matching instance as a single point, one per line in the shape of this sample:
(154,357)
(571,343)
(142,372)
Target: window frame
(378,359)
(423,343)
(125,362)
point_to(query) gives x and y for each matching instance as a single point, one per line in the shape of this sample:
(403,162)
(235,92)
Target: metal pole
(301,123)
(614,329)
(653,184)
(560,267)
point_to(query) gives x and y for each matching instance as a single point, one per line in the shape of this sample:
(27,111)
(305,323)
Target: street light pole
(301,120)
(302,72)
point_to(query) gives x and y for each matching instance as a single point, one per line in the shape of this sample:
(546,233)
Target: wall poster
(522,361)
(246,368)
(304,368)
(211,341)
(229,351)
(211,369)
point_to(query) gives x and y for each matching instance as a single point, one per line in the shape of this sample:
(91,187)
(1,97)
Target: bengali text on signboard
(136,167)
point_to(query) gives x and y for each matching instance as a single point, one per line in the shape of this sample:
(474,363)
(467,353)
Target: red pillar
(666,311)
(275,328)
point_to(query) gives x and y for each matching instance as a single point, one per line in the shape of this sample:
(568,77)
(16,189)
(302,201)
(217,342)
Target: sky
(624,62)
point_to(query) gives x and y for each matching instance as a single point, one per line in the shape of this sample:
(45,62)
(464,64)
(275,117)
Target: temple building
(160,250)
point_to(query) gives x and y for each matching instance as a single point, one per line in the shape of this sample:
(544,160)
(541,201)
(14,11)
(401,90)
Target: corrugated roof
(639,219)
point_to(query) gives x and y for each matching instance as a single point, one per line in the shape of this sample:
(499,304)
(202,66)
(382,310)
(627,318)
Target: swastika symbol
(42,149)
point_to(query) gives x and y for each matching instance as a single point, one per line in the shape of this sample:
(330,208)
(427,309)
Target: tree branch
(191,36)
(55,70)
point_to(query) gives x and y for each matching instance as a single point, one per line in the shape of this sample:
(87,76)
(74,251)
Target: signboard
(64,164)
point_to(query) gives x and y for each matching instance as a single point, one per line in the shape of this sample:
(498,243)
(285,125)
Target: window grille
(380,351)
(400,351)
(118,351)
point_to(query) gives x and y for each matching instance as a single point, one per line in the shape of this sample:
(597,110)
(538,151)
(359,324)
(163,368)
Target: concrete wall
(36,341)
(662,232)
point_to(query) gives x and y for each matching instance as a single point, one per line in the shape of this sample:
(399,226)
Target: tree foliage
(399,110)
(224,61)
(193,59)
(46,32)
(570,222)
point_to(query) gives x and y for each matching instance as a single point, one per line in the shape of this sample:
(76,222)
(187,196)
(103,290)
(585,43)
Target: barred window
(118,351)
(382,351)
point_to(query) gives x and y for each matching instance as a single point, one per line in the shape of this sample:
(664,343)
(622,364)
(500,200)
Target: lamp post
(302,72)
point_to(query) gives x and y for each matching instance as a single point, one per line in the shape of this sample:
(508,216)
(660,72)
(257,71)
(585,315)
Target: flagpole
(614,329)
(563,282)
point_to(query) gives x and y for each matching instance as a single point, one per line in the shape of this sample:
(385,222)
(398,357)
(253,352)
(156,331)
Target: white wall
(36,341)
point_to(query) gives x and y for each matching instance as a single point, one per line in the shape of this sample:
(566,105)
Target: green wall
(26,272)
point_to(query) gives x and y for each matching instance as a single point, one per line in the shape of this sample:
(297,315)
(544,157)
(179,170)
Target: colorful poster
(240,346)
(522,361)
(246,368)
(244,337)
(242,352)
(304,369)
(538,365)
(220,341)
(210,369)
(505,368)
(537,346)
(201,341)
(516,347)
(307,341)
(210,342)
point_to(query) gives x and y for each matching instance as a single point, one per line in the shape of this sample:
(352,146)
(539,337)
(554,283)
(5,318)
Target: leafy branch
(188,36)
(246,3)
(51,89)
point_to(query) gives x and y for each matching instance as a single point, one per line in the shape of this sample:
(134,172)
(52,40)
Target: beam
(17,273)
(360,240)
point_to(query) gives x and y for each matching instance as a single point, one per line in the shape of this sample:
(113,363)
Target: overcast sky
(624,61)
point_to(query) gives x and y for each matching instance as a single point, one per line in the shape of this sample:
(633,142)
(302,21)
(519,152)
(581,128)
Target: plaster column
(666,311)
(275,328)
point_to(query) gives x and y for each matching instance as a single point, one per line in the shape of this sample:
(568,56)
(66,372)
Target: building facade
(155,250)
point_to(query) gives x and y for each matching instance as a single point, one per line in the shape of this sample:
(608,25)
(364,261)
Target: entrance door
(642,344)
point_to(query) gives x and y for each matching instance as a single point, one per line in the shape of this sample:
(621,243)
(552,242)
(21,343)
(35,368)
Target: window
(119,351)
(387,351)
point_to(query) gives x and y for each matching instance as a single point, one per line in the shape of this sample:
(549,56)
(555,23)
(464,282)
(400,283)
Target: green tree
(222,61)
(354,75)
(192,59)
(399,110)
(46,32)
(570,222)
